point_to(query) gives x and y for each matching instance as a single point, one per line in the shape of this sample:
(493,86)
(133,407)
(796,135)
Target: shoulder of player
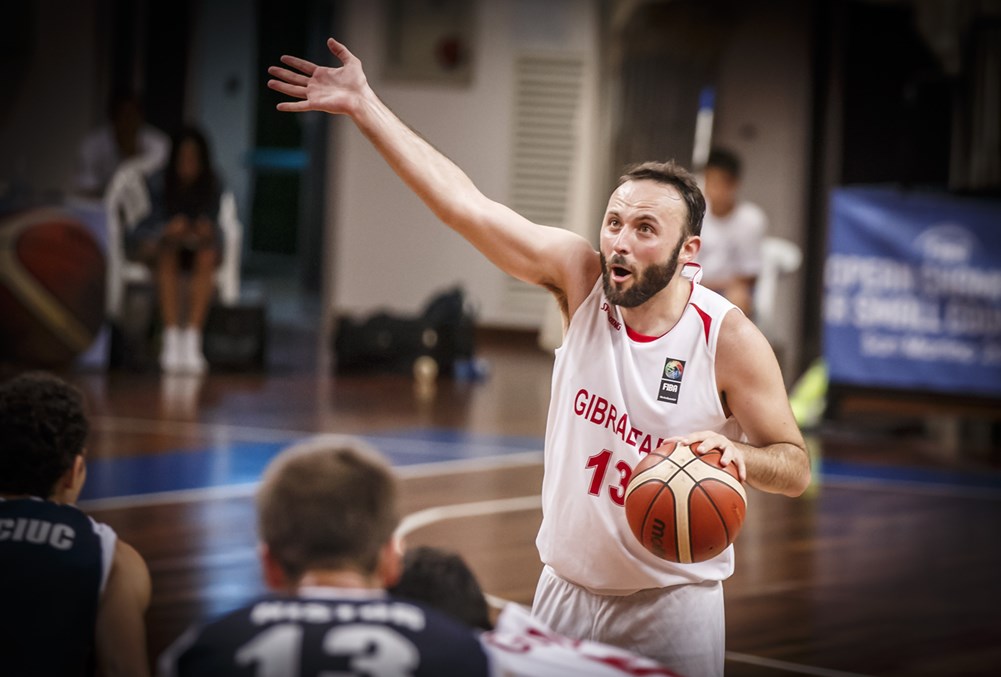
(741,346)
(583,268)
(129,580)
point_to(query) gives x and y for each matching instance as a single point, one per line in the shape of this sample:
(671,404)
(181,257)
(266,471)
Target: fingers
(339,50)
(703,442)
(296,91)
(288,76)
(295,62)
(294,106)
(696,441)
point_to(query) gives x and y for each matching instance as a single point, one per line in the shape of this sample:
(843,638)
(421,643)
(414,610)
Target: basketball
(684,507)
(51,287)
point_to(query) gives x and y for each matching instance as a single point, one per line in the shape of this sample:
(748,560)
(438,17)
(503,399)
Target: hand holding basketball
(707,441)
(685,506)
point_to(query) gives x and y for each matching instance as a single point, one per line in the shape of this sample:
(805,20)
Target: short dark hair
(673,174)
(327,503)
(442,580)
(725,159)
(43,428)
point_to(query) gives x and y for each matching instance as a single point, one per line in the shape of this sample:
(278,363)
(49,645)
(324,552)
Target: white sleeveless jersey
(615,398)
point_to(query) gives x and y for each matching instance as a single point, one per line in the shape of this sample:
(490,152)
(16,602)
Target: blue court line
(237,463)
(234,463)
(906,475)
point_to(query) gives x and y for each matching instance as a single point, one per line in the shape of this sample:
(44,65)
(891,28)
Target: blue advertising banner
(912,291)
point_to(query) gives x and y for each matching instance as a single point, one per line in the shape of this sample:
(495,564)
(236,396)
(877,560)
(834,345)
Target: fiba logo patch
(670,382)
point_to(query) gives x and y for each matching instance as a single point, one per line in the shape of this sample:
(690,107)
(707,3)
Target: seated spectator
(732,232)
(73,594)
(181,234)
(125,137)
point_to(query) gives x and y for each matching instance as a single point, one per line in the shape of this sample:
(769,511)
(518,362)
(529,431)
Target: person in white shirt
(125,137)
(732,232)
(629,311)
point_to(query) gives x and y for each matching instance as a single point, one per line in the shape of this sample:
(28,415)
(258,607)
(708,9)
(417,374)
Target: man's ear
(70,484)
(274,576)
(689,250)
(390,566)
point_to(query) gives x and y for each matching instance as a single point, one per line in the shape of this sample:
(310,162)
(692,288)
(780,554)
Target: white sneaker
(170,351)
(192,359)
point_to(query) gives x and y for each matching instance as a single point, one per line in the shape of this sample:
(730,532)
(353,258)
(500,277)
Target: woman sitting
(181,235)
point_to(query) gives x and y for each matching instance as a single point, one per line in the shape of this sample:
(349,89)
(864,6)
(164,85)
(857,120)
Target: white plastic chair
(126,202)
(778,257)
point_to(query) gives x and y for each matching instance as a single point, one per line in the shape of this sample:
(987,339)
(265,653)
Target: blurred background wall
(541,101)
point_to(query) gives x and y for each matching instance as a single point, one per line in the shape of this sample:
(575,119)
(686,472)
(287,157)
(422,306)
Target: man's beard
(647,284)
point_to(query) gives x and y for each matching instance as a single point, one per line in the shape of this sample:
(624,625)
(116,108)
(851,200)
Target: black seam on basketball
(719,513)
(646,515)
(700,458)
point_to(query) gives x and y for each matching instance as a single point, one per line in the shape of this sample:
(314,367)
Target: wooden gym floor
(888,566)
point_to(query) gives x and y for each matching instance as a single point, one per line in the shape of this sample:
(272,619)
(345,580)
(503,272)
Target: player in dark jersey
(72,595)
(327,510)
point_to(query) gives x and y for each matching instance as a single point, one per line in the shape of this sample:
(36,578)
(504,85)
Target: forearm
(782,468)
(525,250)
(435,179)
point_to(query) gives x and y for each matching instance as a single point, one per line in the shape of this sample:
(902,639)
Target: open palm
(333,90)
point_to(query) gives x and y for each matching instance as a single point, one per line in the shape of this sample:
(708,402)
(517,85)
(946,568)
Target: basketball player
(629,310)
(327,510)
(72,594)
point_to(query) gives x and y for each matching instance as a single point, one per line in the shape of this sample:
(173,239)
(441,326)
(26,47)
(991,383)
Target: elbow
(800,485)
(801,480)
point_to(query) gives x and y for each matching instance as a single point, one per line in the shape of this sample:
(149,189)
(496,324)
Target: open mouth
(619,273)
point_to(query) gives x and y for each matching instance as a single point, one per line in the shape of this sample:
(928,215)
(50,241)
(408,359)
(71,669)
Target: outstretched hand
(335,90)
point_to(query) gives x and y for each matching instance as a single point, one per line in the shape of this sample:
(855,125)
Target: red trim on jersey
(638,337)
(706,320)
(644,338)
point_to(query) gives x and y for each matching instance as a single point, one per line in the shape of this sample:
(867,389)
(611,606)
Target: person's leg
(202,286)
(168,282)
(681,627)
(202,283)
(564,607)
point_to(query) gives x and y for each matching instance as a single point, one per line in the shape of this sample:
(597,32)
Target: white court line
(428,516)
(166,497)
(415,471)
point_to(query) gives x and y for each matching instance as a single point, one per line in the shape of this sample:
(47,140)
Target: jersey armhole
(596,289)
(108,538)
(712,343)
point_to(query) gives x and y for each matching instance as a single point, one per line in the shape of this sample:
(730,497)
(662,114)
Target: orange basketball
(51,287)
(684,507)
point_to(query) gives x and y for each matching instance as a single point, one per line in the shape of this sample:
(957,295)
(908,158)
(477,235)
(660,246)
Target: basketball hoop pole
(703,128)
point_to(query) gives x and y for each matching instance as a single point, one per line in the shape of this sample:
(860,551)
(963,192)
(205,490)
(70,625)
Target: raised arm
(552,257)
(774,459)
(121,616)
